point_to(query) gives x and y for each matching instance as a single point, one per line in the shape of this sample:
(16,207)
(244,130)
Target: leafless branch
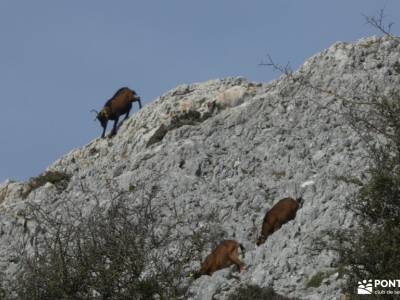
(284,69)
(379,22)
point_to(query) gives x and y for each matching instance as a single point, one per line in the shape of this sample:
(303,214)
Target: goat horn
(96,112)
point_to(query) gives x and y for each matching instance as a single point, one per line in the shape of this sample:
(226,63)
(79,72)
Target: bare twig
(286,69)
(379,22)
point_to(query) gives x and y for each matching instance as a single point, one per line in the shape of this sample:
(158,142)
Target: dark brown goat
(225,255)
(119,104)
(281,213)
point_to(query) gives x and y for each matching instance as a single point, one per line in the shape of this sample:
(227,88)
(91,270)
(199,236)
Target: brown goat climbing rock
(223,256)
(281,213)
(119,104)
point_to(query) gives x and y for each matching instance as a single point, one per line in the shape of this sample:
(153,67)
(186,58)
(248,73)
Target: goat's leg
(277,226)
(104,131)
(127,115)
(114,130)
(236,261)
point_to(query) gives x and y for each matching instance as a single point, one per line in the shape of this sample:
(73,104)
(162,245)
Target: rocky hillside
(263,142)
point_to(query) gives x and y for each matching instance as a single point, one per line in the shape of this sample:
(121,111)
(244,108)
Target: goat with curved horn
(119,104)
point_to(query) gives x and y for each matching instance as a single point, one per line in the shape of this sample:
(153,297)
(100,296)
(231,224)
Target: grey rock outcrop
(283,138)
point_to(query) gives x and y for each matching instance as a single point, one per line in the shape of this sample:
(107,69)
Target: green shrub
(59,179)
(3,293)
(372,248)
(255,292)
(278,175)
(316,280)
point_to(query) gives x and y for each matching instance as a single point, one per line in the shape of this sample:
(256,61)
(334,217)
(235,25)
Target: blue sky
(60,59)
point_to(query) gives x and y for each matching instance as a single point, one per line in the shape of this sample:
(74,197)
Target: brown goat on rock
(225,255)
(281,213)
(119,104)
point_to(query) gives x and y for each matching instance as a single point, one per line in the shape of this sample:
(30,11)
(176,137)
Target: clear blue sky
(60,59)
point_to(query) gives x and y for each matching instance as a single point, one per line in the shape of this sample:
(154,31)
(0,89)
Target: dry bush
(118,251)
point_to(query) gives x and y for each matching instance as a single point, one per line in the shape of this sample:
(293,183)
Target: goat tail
(242,249)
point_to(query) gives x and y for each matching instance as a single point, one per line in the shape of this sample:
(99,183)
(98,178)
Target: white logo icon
(364,287)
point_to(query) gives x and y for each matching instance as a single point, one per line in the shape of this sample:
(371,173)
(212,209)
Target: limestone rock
(282,138)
